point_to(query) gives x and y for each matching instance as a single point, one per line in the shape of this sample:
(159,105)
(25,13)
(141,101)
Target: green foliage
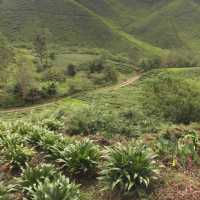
(128,168)
(169,60)
(87,120)
(32,176)
(60,188)
(180,150)
(101,72)
(52,124)
(40,47)
(4,194)
(78,84)
(81,159)
(174,98)
(13,151)
(53,74)
(49,89)
(71,70)
(149,63)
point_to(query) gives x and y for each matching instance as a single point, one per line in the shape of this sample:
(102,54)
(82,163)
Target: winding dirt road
(129,81)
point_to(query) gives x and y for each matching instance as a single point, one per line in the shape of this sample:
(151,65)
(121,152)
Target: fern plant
(128,168)
(60,189)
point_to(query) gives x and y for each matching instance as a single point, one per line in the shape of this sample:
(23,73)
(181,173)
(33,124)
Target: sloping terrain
(134,27)
(72,23)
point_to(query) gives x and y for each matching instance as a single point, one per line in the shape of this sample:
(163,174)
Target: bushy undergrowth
(32,176)
(61,189)
(129,168)
(179,150)
(13,151)
(4,193)
(172,98)
(81,159)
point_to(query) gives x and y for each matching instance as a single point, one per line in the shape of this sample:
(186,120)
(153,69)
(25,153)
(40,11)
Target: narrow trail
(129,81)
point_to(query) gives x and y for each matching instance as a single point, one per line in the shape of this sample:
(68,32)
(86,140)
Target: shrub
(173,99)
(31,176)
(4,195)
(180,151)
(49,89)
(33,95)
(14,153)
(53,74)
(97,65)
(71,70)
(78,84)
(60,189)
(52,124)
(128,168)
(150,63)
(110,74)
(81,158)
(89,120)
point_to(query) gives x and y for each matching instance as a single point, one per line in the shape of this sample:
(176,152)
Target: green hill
(134,27)
(71,23)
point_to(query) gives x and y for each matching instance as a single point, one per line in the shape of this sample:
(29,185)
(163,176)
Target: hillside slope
(69,22)
(134,27)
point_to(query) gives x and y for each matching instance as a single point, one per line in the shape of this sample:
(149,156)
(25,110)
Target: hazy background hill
(134,27)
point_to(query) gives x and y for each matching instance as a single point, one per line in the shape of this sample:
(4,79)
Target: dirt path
(30,108)
(128,82)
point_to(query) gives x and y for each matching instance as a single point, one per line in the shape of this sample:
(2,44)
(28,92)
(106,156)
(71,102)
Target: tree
(40,45)
(6,56)
(24,78)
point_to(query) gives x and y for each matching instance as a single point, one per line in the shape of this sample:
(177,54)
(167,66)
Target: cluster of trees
(32,80)
(26,87)
(171,59)
(101,72)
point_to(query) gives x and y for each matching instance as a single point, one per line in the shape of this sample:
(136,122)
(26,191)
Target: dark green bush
(32,176)
(89,120)
(50,89)
(60,189)
(181,150)
(129,168)
(81,159)
(4,192)
(13,151)
(173,99)
(71,70)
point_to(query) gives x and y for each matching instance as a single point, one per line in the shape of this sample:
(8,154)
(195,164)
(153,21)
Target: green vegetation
(61,189)
(129,168)
(31,177)
(80,159)
(99,100)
